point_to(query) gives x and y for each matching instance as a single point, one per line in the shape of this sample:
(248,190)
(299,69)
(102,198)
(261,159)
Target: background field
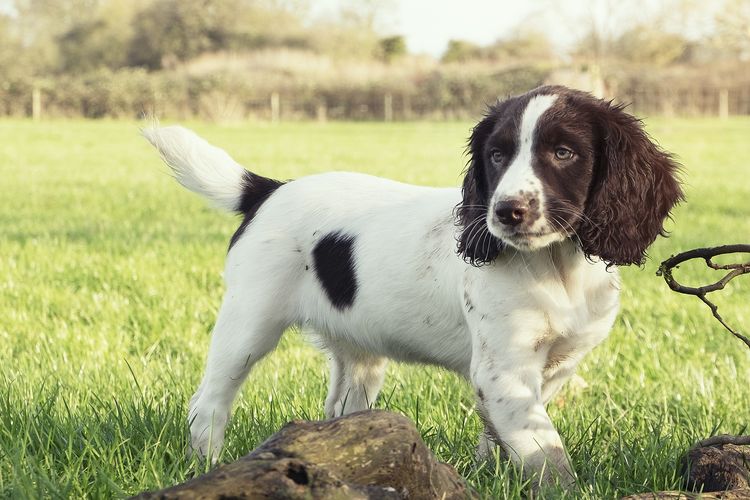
(110,278)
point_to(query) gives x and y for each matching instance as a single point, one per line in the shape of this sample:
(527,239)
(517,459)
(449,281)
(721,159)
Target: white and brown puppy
(508,281)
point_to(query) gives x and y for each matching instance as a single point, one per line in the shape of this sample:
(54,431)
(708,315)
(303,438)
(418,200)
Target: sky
(429,25)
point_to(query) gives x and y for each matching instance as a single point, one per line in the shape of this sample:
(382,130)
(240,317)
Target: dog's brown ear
(472,210)
(634,188)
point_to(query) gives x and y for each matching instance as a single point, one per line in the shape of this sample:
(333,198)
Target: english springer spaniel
(508,281)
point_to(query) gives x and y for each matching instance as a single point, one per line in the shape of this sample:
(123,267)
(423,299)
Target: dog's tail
(208,170)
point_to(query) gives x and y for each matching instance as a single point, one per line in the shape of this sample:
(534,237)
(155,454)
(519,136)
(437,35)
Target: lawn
(110,279)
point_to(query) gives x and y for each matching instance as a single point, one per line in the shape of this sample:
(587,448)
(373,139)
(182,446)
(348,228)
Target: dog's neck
(559,261)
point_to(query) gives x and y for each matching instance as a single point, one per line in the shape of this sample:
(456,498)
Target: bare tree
(733,28)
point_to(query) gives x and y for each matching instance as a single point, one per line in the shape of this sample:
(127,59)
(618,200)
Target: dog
(509,281)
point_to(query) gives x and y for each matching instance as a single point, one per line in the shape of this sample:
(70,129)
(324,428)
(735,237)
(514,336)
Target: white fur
(199,166)
(516,329)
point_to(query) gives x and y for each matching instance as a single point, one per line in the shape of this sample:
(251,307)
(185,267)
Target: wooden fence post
(667,103)
(321,111)
(275,107)
(724,104)
(388,107)
(407,106)
(36,103)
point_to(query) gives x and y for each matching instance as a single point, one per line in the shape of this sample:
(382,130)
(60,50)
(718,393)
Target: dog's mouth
(531,234)
(528,240)
(531,240)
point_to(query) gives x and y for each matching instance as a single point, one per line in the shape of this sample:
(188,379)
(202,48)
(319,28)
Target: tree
(392,48)
(172,31)
(41,22)
(352,32)
(525,44)
(90,45)
(461,51)
(605,19)
(636,32)
(10,46)
(646,45)
(169,32)
(733,28)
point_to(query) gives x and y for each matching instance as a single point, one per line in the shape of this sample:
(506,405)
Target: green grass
(110,279)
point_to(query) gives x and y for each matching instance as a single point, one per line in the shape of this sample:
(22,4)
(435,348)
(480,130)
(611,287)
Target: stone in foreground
(366,455)
(718,463)
(719,467)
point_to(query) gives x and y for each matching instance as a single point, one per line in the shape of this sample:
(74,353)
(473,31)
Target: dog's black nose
(511,212)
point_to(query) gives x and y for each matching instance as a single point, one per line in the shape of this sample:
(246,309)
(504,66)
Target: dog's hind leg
(245,331)
(356,379)
(335,384)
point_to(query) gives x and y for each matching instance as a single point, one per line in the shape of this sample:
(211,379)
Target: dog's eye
(497,156)
(564,153)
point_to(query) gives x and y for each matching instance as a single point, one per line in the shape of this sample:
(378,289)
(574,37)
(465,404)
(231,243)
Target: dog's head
(557,163)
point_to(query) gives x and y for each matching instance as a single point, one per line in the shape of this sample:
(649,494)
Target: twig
(723,439)
(707,254)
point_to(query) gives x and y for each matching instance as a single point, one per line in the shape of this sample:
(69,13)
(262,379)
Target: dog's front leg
(508,386)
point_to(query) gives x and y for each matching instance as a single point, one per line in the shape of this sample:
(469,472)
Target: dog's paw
(206,433)
(204,449)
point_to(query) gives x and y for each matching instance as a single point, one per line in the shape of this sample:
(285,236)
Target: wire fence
(717,101)
(669,102)
(690,101)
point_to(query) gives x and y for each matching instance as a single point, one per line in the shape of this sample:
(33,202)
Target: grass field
(110,279)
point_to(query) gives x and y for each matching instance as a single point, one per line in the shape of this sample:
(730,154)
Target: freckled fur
(547,335)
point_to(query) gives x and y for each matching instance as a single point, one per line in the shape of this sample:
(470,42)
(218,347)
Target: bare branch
(707,254)
(723,439)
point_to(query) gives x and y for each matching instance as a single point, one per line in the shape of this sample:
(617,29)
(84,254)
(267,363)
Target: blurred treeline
(237,59)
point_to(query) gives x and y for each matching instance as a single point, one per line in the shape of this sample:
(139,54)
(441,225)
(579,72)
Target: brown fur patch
(547,336)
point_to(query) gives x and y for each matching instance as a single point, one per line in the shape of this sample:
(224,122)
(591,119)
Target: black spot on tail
(255,190)
(334,265)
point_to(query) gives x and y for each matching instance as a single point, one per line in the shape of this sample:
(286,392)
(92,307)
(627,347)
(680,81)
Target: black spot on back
(334,265)
(255,191)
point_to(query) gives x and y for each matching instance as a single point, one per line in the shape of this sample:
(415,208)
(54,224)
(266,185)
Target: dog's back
(323,246)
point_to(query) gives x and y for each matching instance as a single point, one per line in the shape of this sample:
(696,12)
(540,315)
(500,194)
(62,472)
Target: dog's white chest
(557,306)
(579,307)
